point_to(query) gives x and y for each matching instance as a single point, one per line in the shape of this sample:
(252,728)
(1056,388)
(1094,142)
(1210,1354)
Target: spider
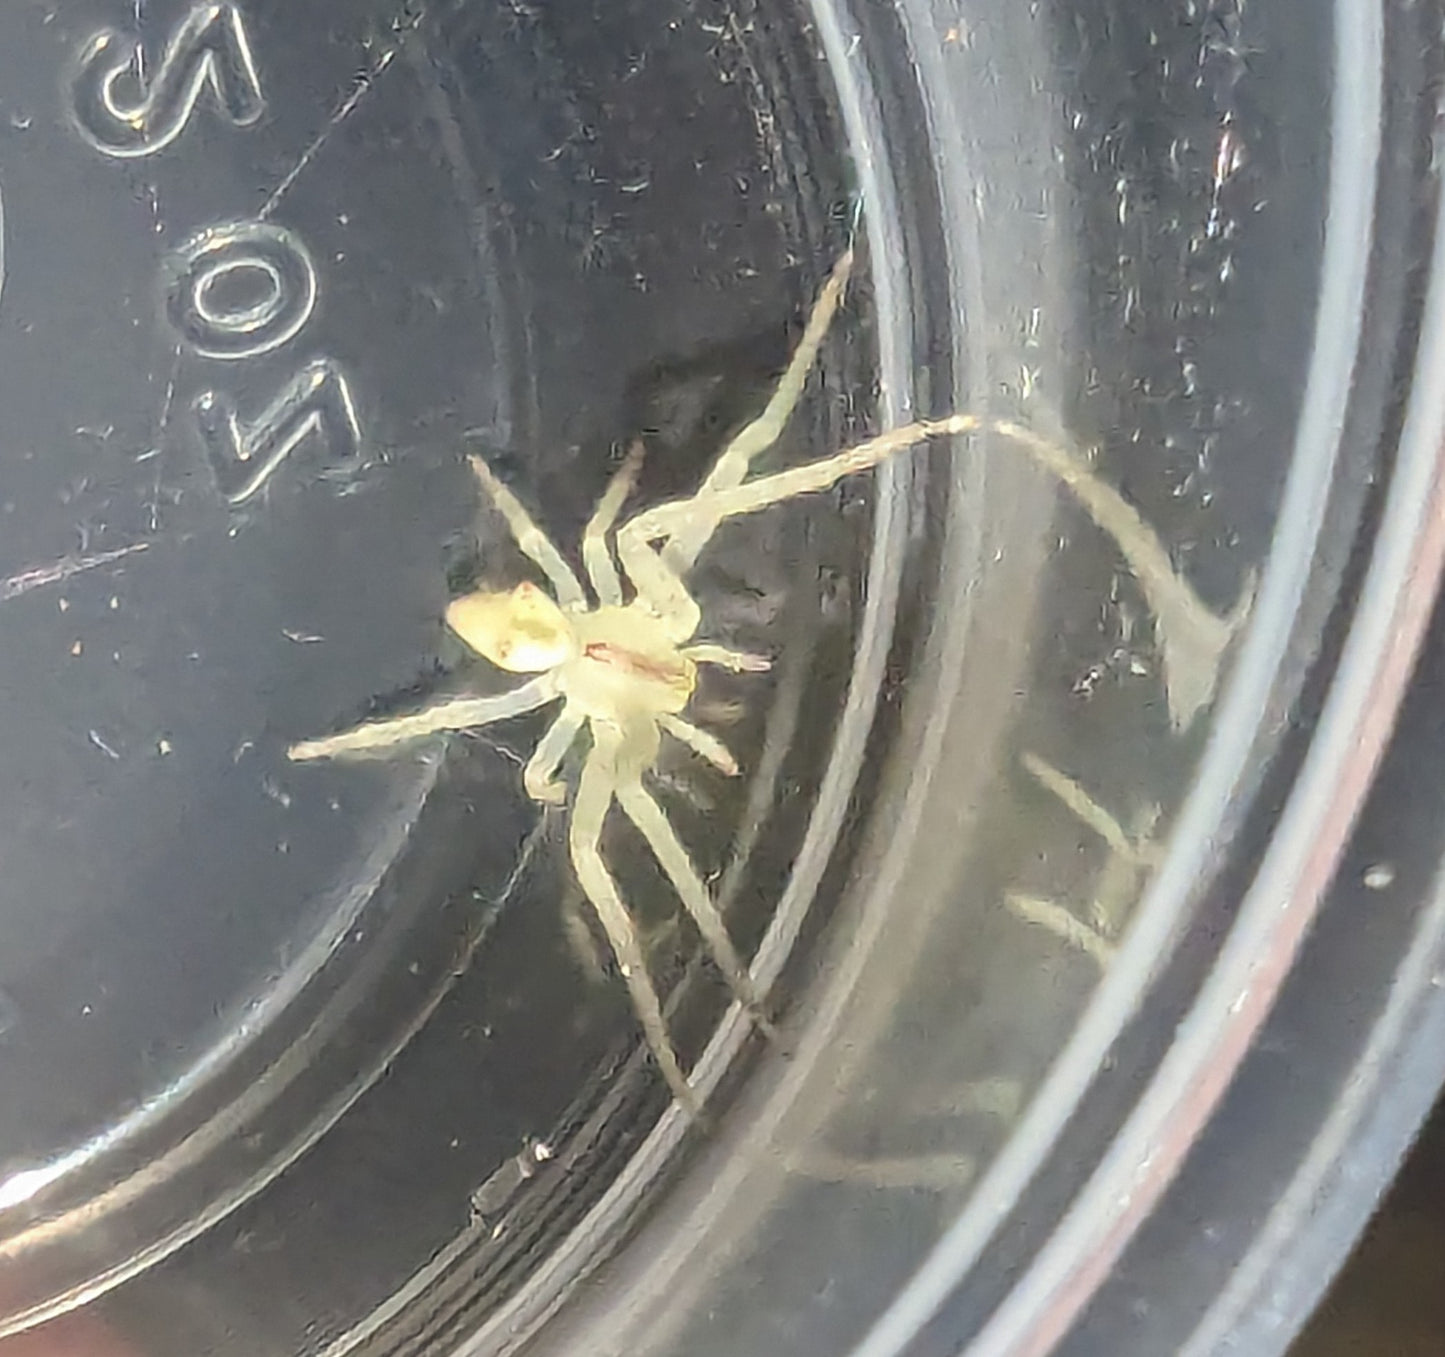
(625,666)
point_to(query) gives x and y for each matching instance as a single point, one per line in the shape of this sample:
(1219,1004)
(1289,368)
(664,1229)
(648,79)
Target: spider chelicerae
(624,663)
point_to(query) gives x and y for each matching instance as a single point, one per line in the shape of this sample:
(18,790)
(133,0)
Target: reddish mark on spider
(629,661)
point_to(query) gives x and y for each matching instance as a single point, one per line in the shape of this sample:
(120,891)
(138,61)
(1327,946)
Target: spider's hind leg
(595,791)
(652,823)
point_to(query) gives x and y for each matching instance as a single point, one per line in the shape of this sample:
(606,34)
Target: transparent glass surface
(347,1065)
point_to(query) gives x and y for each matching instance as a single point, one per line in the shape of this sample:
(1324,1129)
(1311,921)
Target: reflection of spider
(626,669)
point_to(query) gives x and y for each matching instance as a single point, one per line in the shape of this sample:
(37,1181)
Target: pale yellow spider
(626,669)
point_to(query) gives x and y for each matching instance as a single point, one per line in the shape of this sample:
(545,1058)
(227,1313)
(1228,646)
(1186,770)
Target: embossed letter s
(122,114)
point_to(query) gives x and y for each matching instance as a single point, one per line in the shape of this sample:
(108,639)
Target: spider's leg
(1063,923)
(735,459)
(1089,812)
(535,544)
(739,661)
(656,579)
(652,823)
(539,775)
(704,511)
(659,586)
(589,811)
(1191,636)
(701,743)
(462,713)
(595,553)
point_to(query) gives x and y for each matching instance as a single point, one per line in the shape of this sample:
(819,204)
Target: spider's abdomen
(626,666)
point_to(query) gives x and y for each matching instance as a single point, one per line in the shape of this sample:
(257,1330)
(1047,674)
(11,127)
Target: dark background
(1389,1300)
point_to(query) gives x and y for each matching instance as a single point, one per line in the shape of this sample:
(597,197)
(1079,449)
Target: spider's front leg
(659,586)
(698,518)
(1192,638)
(755,438)
(595,553)
(534,543)
(657,574)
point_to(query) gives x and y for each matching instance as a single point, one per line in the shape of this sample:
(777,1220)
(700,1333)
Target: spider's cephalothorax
(625,669)
(620,665)
(611,661)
